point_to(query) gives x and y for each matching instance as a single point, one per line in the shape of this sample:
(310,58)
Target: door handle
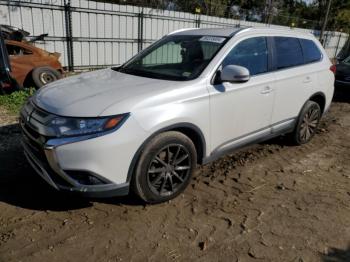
(307,79)
(266,90)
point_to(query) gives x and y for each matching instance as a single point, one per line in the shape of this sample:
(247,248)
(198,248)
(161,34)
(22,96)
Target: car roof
(231,31)
(225,32)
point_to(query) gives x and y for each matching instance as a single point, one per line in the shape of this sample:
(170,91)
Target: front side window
(251,53)
(288,52)
(178,57)
(310,51)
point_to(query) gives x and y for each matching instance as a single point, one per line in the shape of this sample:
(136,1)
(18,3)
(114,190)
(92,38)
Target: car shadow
(20,185)
(336,255)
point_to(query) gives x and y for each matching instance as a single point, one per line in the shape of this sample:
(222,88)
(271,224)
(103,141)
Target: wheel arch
(320,99)
(188,129)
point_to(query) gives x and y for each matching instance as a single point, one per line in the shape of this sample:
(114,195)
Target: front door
(242,111)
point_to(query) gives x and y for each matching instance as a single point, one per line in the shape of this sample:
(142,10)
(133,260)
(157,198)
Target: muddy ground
(269,202)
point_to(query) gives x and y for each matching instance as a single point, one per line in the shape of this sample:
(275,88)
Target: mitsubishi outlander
(191,97)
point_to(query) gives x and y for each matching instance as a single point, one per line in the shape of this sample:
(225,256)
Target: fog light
(85,178)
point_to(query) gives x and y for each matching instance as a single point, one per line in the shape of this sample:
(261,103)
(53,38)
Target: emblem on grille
(28,118)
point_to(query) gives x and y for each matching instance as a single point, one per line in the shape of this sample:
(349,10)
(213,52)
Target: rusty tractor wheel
(44,75)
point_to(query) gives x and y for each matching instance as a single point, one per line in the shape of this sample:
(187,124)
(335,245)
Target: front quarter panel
(109,156)
(178,105)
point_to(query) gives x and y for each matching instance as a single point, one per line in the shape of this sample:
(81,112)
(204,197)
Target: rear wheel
(165,167)
(44,75)
(307,123)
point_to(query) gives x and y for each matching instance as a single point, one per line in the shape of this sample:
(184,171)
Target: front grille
(31,131)
(36,148)
(35,121)
(32,120)
(39,153)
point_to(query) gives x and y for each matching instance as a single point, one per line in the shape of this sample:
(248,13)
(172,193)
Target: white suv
(189,98)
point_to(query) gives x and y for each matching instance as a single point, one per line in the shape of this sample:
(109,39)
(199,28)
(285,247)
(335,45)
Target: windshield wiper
(149,74)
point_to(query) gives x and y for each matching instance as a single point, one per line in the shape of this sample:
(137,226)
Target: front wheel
(307,124)
(165,167)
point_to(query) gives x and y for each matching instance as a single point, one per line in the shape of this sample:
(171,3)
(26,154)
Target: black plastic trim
(254,140)
(118,190)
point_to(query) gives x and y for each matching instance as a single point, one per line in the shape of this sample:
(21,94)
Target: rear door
(293,80)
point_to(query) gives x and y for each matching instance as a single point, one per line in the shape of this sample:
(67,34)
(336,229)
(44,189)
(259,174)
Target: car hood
(90,94)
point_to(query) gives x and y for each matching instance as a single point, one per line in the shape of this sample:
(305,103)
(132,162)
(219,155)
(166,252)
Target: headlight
(70,126)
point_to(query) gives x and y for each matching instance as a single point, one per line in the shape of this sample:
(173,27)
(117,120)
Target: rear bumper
(58,179)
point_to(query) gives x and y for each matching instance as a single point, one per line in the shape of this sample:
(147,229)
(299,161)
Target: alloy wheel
(169,170)
(309,124)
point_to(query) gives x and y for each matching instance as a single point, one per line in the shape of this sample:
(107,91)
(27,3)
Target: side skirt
(259,136)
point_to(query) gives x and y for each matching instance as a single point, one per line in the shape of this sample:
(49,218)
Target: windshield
(178,57)
(347,60)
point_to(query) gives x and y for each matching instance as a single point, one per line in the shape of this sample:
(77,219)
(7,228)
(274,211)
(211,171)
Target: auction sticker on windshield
(213,39)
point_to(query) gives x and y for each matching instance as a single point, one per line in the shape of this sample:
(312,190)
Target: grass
(14,101)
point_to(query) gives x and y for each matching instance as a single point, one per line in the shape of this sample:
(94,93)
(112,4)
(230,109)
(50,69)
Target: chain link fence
(95,34)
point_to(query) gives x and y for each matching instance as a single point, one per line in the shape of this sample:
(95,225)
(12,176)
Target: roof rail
(181,30)
(241,28)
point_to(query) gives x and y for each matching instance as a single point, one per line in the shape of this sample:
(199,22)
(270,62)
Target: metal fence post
(140,31)
(69,34)
(336,50)
(198,22)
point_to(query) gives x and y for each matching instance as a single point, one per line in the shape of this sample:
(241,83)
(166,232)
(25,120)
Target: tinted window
(310,51)
(251,53)
(288,52)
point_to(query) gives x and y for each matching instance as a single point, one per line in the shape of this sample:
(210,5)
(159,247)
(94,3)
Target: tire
(44,75)
(165,167)
(307,124)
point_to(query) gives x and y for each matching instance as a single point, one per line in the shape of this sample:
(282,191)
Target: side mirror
(234,74)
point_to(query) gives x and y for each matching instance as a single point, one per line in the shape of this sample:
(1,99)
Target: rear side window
(251,53)
(288,52)
(310,51)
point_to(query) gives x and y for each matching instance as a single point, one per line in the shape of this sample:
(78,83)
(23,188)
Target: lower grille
(38,152)
(36,149)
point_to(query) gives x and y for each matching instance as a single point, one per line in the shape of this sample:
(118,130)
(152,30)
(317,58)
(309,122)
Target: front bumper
(50,171)
(94,166)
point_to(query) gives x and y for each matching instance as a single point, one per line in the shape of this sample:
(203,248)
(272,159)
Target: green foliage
(14,101)
(340,15)
(299,13)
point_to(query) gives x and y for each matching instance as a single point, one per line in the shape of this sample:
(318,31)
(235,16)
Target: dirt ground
(269,202)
